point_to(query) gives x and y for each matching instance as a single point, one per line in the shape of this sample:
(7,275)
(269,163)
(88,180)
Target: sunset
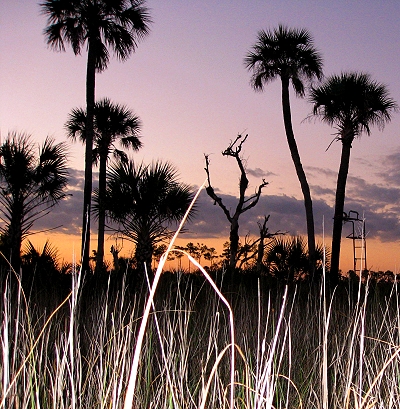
(283,288)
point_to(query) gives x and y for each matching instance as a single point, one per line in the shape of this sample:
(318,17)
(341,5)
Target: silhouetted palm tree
(288,54)
(112,122)
(287,258)
(351,102)
(100,25)
(44,261)
(145,200)
(30,186)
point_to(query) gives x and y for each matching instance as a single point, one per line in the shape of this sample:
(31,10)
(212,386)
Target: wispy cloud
(391,168)
(259,173)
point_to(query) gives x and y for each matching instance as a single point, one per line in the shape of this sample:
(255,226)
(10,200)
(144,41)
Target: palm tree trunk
(338,216)
(144,254)
(287,119)
(15,236)
(87,193)
(102,212)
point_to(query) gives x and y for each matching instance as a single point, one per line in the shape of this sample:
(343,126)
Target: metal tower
(358,237)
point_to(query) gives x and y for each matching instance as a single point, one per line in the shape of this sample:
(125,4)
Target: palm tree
(351,102)
(100,24)
(30,186)
(287,258)
(144,201)
(112,122)
(44,262)
(288,54)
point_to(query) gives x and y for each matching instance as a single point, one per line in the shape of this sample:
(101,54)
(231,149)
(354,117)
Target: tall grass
(196,341)
(80,355)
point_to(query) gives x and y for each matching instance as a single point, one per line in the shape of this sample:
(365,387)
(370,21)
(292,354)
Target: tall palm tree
(30,186)
(351,102)
(288,54)
(112,122)
(144,201)
(100,25)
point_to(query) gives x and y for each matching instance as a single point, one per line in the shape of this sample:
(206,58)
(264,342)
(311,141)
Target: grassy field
(294,346)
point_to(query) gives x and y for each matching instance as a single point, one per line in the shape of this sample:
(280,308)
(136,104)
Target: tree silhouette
(112,123)
(210,255)
(30,186)
(351,102)
(287,259)
(244,204)
(100,25)
(264,233)
(44,261)
(145,201)
(288,54)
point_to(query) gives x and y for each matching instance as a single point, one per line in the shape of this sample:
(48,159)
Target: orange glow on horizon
(380,256)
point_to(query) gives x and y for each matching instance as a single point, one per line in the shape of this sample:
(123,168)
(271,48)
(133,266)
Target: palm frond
(287,53)
(116,24)
(352,102)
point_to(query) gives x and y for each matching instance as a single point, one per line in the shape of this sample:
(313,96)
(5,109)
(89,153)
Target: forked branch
(234,150)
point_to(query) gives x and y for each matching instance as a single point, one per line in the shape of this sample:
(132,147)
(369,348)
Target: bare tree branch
(210,191)
(234,150)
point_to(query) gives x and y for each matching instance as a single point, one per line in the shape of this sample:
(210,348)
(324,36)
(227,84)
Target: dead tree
(244,204)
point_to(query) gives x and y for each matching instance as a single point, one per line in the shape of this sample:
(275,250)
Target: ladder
(359,241)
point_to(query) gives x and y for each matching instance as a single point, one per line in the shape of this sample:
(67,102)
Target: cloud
(320,191)
(287,214)
(321,172)
(380,206)
(381,211)
(379,203)
(391,171)
(259,173)
(377,196)
(66,216)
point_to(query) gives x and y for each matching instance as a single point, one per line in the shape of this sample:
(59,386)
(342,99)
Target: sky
(188,83)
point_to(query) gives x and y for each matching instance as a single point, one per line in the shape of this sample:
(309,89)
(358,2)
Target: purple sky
(188,84)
